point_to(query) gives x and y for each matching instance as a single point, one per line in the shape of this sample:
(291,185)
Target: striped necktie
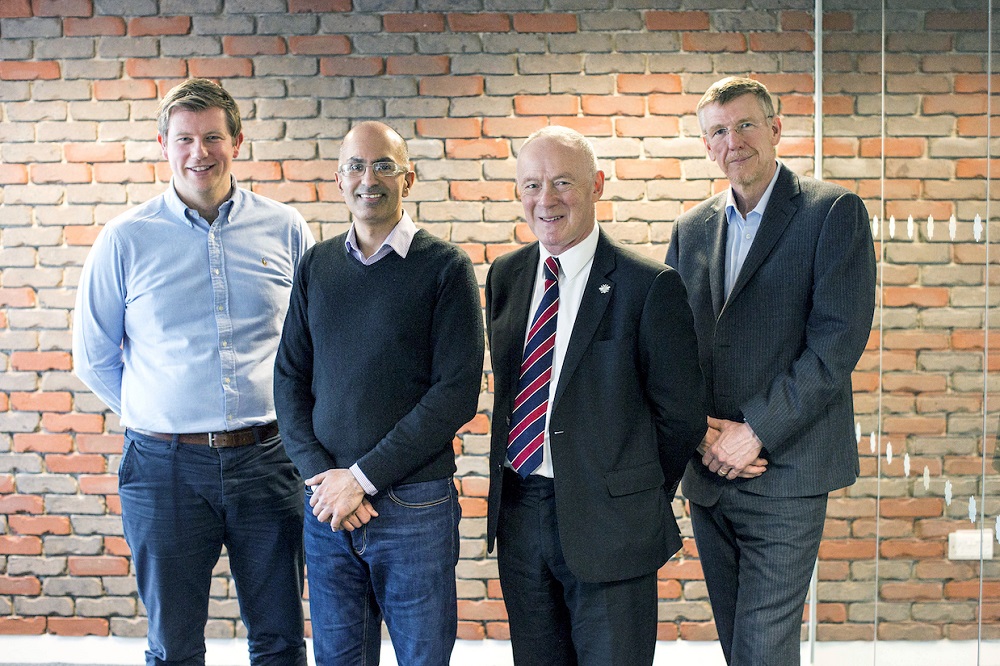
(524,447)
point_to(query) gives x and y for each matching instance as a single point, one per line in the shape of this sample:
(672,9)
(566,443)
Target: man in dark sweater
(380,363)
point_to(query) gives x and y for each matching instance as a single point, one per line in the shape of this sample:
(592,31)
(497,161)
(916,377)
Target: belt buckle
(211,441)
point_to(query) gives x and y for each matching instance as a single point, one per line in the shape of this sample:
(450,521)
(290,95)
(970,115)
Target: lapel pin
(604,288)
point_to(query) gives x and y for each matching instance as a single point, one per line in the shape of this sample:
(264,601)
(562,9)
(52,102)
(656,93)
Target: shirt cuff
(363,480)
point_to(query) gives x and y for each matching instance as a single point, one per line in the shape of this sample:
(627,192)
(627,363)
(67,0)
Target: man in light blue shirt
(178,316)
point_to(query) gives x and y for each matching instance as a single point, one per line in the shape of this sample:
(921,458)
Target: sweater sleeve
(293,375)
(456,377)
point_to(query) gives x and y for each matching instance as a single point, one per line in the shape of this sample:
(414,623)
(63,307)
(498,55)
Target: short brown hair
(198,95)
(727,89)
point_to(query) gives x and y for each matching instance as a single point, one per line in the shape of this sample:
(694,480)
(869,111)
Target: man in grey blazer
(615,408)
(780,273)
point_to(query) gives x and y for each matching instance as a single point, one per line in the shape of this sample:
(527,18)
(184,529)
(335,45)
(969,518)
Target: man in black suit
(598,411)
(780,273)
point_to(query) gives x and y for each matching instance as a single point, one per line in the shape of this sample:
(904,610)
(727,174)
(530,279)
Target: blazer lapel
(595,301)
(777,215)
(716,227)
(522,284)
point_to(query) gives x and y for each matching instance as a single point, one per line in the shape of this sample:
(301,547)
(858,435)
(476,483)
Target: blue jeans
(400,565)
(180,504)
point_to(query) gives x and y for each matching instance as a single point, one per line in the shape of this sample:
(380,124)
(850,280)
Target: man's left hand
(336,496)
(735,449)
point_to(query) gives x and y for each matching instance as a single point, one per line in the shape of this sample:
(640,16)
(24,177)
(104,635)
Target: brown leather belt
(223,440)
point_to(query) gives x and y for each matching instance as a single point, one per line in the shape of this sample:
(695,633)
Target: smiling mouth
(370,196)
(555,218)
(200,169)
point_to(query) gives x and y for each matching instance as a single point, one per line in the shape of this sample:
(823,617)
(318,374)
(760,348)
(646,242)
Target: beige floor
(52,650)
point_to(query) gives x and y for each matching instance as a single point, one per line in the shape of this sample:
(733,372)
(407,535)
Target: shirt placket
(223,321)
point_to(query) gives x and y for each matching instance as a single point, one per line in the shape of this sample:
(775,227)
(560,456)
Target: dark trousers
(181,503)
(555,618)
(758,554)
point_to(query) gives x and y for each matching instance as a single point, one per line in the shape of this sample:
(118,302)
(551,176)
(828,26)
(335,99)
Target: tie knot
(551,269)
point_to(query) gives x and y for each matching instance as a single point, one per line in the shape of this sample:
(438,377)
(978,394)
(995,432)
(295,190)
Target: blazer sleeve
(838,325)
(674,384)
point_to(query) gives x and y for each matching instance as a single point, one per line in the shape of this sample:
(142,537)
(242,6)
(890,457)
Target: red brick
(122,90)
(451,86)
(643,127)
(681,570)
(494,250)
(47,174)
(94,152)
(673,105)
(98,26)
(14,70)
(781,42)
(485,22)
(12,625)
(475,149)
(10,504)
(109,444)
(319,44)
(911,507)
(793,20)
(912,549)
(76,235)
(779,84)
(253,45)
(6,484)
(481,191)
(413,22)
(476,251)
(546,105)
(487,609)
(40,442)
(39,525)
(15,9)
(78,626)
(698,631)
(449,128)
(475,486)
(114,545)
(677,21)
(318,6)
(613,105)
(40,361)
(647,169)
(930,297)
(545,23)
(970,589)
(146,26)
(474,507)
(287,192)
(124,173)
(512,127)
(975,167)
(20,585)
(470,631)
(311,170)
(714,42)
(76,463)
(62,8)
(966,83)
(894,147)
(479,425)
(20,545)
(372,66)
(220,68)
(585,125)
(13,174)
(245,170)
(154,68)
(418,64)
(102,484)
(97,565)
(73,422)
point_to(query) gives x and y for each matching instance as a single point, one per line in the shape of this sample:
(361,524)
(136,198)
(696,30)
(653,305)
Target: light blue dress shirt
(741,232)
(177,320)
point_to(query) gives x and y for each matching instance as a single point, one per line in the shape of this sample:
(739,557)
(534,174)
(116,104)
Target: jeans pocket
(423,494)
(125,464)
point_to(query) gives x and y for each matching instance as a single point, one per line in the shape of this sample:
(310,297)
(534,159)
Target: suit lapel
(522,283)
(777,215)
(595,301)
(715,238)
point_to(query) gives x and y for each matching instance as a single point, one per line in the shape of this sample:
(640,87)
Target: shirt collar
(190,215)
(761,206)
(573,260)
(399,239)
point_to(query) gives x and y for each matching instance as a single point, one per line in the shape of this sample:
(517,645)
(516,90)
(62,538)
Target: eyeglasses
(720,135)
(380,169)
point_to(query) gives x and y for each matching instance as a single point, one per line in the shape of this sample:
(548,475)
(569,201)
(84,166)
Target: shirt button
(225,380)
(216,271)
(220,308)
(747,236)
(225,344)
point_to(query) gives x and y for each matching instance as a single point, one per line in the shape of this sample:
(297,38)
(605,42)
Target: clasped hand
(732,450)
(340,500)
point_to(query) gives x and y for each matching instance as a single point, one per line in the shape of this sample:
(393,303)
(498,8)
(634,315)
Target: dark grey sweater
(380,365)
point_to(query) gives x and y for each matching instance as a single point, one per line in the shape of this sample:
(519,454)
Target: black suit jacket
(780,351)
(627,412)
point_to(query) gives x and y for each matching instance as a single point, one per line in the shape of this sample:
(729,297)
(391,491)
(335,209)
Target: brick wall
(465,81)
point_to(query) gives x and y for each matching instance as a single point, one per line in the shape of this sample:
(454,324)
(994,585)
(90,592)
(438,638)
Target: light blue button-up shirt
(177,320)
(742,231)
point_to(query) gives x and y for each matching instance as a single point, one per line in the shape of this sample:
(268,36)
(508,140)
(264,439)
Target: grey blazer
(779,352)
